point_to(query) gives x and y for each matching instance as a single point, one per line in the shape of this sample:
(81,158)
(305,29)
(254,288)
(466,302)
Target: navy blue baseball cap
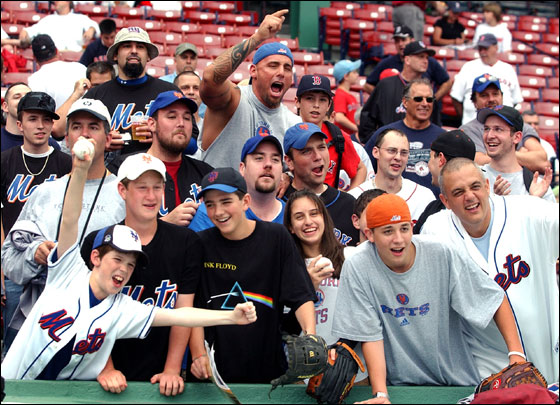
(314,83)
(486,40)
(169,97)
(508,114)
(297,136)
(224,179)
(272,48)
(483,81)
(255,141)
(122,238)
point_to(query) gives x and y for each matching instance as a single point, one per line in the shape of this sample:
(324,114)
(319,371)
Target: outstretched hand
(271,24)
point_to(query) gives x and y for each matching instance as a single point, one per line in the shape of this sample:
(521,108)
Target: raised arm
(72,208)
(242,314)
(220,94)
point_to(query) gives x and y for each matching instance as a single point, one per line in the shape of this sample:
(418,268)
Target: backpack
(338,142)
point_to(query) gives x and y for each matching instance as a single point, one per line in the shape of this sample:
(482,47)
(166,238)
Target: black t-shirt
(450,31)
(174,268)
(340,206)
(125,99)
(18,183)
(432,208)
(267,269)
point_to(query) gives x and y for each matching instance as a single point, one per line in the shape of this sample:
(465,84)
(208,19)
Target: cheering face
(307,222)
(110,273)
(420,103)
(394,245)
(272,77)
(226,211)
(498,138)
(392,155)
(310,164)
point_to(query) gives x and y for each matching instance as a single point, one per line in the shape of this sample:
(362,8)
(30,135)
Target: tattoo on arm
(228,62)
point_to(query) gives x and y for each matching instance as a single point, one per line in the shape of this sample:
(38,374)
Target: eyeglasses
(487,78)
(393,151)
(418,99)
(497,130)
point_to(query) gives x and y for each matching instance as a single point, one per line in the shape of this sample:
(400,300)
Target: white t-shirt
(462,86)
(57,79)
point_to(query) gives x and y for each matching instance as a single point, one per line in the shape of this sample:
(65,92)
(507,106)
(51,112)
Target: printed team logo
(421,169)
(86,102)
(283,51)
(305,127)
(178,95)
(134,235)
(107,239)
(400,109)
(263,131)
(212,177)
(54,322)
(402,299)
(316,80)
(134,29)
(146,158)
(396,218)
(320,298)
(496,384)
(516,270)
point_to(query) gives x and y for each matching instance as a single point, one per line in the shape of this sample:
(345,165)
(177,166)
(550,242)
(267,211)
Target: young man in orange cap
(408,297)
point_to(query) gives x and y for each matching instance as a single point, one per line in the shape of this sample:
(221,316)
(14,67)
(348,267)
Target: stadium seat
(385,26)
(127,13)
(467,54)
(155,71)
(550,123)
(214,52)
(536,82)
(546,108)
(201,64)
(182,27)
(541,60)
(291,105)
(14,77)
(91,9)
(520,47)
(290,94)
(70,56)
(18,6)
(191,5)
(530,27)
(447,106)
(550,38)
(524,36)
(5,17)
(549,135)
(530,70)
(246,31)
(325,70)
(467,23)
(512,58)
(26,18)
(200,17)
(218,29)
(345,5)
(292,44)
(148,25)
(443,52)
(530,94)
(231,41)
(13,30)
(548,49)
(369,15)
(219,6)
(235,19)
(550,95)
(298,71)
(509,17)
(454,65)
(307,58)
(204,40)
(359,85)
(119,22)
(164,15)
(552,82)
(524,106)
(529,19)
(380,8)
(479,17)
(166,38)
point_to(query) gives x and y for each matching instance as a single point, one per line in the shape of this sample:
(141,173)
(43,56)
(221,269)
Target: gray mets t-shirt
(418,313)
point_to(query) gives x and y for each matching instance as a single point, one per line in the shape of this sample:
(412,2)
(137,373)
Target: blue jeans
(13,291)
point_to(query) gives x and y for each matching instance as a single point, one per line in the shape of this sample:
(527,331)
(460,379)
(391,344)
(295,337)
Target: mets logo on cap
(282,50)
(305,127)
(212,177)
(402,299)
(134,235)
(178,95)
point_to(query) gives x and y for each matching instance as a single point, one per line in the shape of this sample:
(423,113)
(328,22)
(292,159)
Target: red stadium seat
(298,71)
(548,49)
(183,27)
(529,19)
(214,52)
(291,105)
(191,5)
(155,71)
(454,65)
(235,19)
(218,29)
(231,41)
(520,47)
(509,17)
(308,58)
(5,17)
(148,25)
(127,13)
(164,15)
(524,36)
(473,16)
(468,54)
(119,22)
(524,106)
(550,95)
(200,17)
(551,38)
(325,70)
(13,30)
(536,82)
(345,5)
(512,58)
(467,23)
(170,38)
(246,31)
(369,15)
(70,56)
(292,44)
(380,8)
(18,6)
(548,135)
(204,40)
(26,18)
(201,64)
(550,123)
(546,108)
(14,77)
(443,52)
(290,93)
(359,85)
(91,9)
(530,94)
(385,26)
(219,6)
(531,70)
(530,27)
(541,60)
(163,62)
(552,82)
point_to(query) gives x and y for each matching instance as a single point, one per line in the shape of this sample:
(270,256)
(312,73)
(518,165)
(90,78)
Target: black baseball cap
(43,47)
(416,47)
(37,100)
(402,31)
(454,144)
(225,179)
(508,114)
(314,83)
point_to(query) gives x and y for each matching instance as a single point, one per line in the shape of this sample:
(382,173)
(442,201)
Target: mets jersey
(522,259)
(63,313)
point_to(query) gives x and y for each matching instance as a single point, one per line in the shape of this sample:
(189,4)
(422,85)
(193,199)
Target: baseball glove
(512,376)
(307,357)
(335,383)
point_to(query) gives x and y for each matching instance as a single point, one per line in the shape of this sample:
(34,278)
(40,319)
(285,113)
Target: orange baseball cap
(387,209)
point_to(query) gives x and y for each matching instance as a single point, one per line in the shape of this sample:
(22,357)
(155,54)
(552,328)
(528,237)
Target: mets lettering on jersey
(165,294)
(20,188)
(402,311)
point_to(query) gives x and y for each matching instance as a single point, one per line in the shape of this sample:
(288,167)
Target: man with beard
(418,100)
(132,92)
(487,93)
(170,119)
(235,114)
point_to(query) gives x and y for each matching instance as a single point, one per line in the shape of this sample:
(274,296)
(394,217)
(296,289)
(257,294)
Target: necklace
(27,168)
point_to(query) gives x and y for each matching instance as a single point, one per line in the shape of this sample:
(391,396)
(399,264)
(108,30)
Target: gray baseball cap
(184,47)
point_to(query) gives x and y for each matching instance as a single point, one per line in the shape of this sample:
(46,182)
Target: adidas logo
(405,322)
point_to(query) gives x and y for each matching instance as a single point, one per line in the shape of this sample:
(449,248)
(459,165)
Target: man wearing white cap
(168,281)
(25,250)
(132,91)
(235,114)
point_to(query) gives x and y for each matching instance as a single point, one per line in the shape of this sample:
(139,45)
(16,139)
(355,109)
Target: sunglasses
(418,99)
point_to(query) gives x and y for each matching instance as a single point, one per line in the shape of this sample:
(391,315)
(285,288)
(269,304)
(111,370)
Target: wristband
(381,395)
(517,354)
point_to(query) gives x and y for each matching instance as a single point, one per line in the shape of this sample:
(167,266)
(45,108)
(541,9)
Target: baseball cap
(37,100)
(486,40)
(169,97)
(402,31)
(454,6)
(121,238)
(314,83)
(135,34)
(272,48)
(92,106)
(388,73)
(508,114)
(343,67)
(255,141)
(483,81)
(184,47)
(224,179)
(136,165)
(416,47)
(297,136)
(387,209)
(43,47)
(454,144)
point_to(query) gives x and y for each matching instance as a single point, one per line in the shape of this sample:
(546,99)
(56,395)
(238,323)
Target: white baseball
(324,262)
(83,147)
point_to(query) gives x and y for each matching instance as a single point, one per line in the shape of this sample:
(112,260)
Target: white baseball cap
(92,106)
(122,238)
(135,34)
(136,165)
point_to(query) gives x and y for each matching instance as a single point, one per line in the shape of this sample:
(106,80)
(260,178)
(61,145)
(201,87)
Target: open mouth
(472,207)
(397,252)
(318,170)
(118,281)
(310,230)
(277,88)
(222,220)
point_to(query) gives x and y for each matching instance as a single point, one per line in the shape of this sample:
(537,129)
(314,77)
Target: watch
(381,395)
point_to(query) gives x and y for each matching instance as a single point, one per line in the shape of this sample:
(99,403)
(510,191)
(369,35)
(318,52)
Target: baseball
(324,262)
(83,147)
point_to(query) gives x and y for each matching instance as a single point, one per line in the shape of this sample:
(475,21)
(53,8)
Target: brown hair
(495,9)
